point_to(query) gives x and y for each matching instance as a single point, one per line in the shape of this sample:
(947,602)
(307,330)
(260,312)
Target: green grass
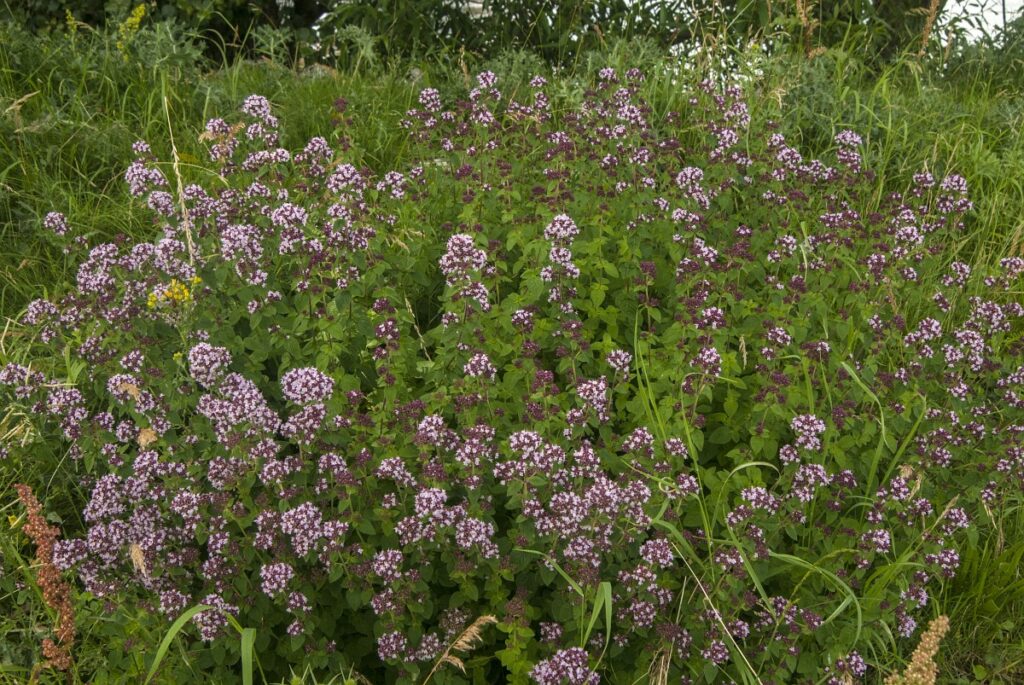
(912,119)
(70,110)
(69,113)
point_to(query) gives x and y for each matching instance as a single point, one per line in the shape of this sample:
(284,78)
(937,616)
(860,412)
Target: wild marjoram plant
(665,398)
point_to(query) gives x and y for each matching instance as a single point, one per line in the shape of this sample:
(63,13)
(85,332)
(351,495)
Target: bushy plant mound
(666,399)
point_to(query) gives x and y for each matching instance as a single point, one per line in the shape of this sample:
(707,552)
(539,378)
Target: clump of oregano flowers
(656,392)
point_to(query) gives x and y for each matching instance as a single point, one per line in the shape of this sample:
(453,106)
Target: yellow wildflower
(173,293)
(128,28)
(177,292)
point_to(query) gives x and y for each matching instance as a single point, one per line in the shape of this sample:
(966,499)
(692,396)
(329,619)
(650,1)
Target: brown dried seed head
(138,558)
(56,591)
(472,635)
(130,388)
(922,669)
(147,436)
(454,661)
(465,642)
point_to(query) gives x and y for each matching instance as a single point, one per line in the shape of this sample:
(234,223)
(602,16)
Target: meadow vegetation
(491,368)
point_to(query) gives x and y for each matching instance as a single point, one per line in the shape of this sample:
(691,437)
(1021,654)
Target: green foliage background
(559,32)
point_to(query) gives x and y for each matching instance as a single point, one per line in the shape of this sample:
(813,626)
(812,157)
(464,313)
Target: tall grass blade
(172,632)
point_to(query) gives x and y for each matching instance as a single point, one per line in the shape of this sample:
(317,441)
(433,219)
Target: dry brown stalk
(929,23)
(186,218)
(660,667)
(466,642)
(803,12)
(922,669)
(56,592)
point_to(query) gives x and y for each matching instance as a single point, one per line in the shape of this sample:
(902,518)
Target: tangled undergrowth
(666,399)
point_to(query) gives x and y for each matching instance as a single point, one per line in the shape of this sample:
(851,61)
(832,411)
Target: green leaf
(850,598)
(175,628)
(572,583)
(602,601)
(722,435)
(872,479)
(248,639)
(731,403)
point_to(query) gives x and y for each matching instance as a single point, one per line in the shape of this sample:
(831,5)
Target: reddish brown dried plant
(56,592)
